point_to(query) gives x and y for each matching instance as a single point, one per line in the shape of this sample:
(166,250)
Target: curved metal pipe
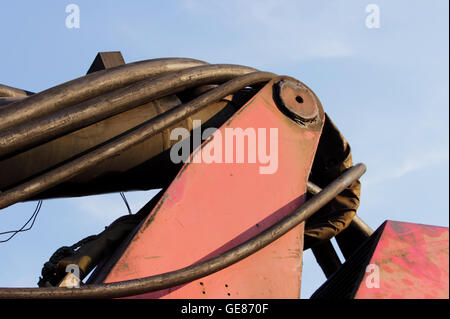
(10,100)
(362,226)
(357,221)
(89,86)
(43,129)
(126,140)
(9,91)
(201,269)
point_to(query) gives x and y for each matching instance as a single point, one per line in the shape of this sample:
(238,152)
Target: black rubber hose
(42,129)
(6,101)
(126,140)
(357,221)
(87,87)
(201,269)
(9,91)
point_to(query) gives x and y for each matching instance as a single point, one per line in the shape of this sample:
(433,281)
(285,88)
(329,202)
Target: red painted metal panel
(413,262)
(210,208)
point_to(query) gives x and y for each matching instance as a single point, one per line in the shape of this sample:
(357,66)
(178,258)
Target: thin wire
(126,202)
(34,216)
(22,229)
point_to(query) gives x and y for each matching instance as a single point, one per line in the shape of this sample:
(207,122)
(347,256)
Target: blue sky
(385,88)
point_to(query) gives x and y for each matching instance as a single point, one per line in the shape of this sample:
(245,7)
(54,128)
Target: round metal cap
(298,101)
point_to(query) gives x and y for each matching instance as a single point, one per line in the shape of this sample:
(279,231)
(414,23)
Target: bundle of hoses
(32,122)
(45,117)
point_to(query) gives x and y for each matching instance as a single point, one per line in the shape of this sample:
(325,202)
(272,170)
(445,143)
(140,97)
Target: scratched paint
(413,263)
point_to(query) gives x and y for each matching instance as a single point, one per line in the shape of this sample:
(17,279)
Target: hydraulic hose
(43,129)
(357,221)
(86,87)
(128,139)
(9,91)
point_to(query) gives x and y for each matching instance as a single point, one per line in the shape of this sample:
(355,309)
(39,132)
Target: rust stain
(157,208)
(123,267)
(183,169)
(207,141)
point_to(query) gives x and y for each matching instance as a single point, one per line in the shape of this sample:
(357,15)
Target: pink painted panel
(210,208)
(413,263)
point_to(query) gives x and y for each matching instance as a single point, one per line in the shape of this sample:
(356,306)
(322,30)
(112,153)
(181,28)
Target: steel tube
(43,129)
(87,87)
(126,140)
(4,101)
(357,221)
(202,269)
(362,226)
(9,91)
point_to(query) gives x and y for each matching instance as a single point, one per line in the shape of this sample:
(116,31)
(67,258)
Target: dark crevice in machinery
(342,284)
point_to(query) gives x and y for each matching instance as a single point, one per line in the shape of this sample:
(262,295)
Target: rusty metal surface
(8,91)
(297,101)
(195,221)
(413,263)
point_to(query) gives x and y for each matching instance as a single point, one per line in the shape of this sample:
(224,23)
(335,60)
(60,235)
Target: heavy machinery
(252,171)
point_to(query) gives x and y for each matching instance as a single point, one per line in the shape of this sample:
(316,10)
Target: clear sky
(386,88)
